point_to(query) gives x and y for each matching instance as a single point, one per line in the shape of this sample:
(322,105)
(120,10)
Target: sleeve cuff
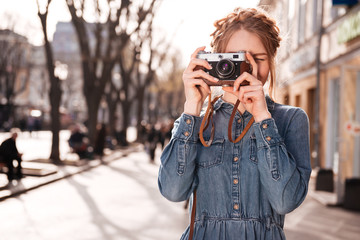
(188,128)
(266,133)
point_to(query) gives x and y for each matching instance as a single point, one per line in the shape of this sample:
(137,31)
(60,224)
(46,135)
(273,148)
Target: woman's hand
(196,90)
(251,96)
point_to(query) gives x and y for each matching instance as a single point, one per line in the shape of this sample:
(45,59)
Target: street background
(119,199)
(111,72)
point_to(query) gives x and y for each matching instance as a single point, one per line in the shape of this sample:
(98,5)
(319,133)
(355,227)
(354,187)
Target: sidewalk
(323,197)
(39,171)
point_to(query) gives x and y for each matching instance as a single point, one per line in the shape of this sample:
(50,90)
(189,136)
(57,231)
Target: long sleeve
(176,177)
(284,163)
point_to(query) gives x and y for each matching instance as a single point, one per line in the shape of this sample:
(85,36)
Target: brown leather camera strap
(192,222)
(247,127)
(206,120)
(208,117)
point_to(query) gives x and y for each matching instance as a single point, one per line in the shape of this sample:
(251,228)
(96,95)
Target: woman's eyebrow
(258,54)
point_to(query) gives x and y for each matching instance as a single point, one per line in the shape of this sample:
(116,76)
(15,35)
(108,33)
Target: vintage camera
(227,67)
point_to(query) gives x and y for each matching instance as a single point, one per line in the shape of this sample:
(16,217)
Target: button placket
(239,126)
(235,181)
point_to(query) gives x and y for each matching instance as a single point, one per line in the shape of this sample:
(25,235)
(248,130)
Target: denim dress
(243,189)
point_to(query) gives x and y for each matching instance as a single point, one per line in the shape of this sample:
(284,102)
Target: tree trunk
(112,117)
(92,120)
(54,94)
(125,107)
(140,112)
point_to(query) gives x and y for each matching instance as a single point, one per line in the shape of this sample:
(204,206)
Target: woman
(244,189)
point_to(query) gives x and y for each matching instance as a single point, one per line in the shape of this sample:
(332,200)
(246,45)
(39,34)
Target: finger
(245,76)
(197,51)
(201,74)
(231,90)
(247,89)
(202,84)
(253,64)
(196,63)
(249,97)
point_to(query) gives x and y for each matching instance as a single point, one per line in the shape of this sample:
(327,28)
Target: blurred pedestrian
(162,135)
(143,131)
(152,140)
(22,124)
(30,124)
(9,153)
(169,128)
(78,142)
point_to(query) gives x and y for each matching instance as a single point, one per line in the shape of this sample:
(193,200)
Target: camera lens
(225,68)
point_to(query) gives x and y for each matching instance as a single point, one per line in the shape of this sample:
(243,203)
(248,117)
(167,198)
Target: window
(301,22)
(286,99)
(297,100)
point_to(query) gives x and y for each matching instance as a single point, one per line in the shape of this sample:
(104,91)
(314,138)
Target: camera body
(227,67)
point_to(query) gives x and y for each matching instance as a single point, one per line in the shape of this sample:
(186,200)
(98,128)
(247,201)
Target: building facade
(14,76)
(320,72)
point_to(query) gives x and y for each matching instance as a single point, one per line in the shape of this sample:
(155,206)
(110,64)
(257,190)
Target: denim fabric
(243,189)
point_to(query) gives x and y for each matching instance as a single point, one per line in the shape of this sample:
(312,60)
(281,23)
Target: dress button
(236,181)
(239,120)
(264,126)
(268,138)
(186,133)
(236,159)
(236,206)
(188,121)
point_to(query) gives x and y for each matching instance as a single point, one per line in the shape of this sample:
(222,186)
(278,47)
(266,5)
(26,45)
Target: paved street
(121,200)
(116,201)
(314,221)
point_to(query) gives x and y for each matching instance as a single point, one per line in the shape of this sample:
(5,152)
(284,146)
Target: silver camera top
(210,57)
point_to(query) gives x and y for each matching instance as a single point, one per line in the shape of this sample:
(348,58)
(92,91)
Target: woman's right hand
(196,90)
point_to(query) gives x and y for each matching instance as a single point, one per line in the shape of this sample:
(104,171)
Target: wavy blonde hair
(253,20)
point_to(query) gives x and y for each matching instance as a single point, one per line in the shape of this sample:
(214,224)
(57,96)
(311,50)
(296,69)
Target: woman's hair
(252,20)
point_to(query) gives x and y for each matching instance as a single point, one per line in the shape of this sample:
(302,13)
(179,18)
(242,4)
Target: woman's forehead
(243,40)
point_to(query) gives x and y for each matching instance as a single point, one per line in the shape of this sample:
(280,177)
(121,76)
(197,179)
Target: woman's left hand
(252,96)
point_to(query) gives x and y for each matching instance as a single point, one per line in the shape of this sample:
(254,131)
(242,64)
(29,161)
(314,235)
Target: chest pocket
(211,156)
(253,148)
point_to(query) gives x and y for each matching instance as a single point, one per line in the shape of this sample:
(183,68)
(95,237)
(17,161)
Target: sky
(190,20)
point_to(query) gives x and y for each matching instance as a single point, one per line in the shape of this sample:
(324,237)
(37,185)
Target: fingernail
(216,79)
(234,89)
